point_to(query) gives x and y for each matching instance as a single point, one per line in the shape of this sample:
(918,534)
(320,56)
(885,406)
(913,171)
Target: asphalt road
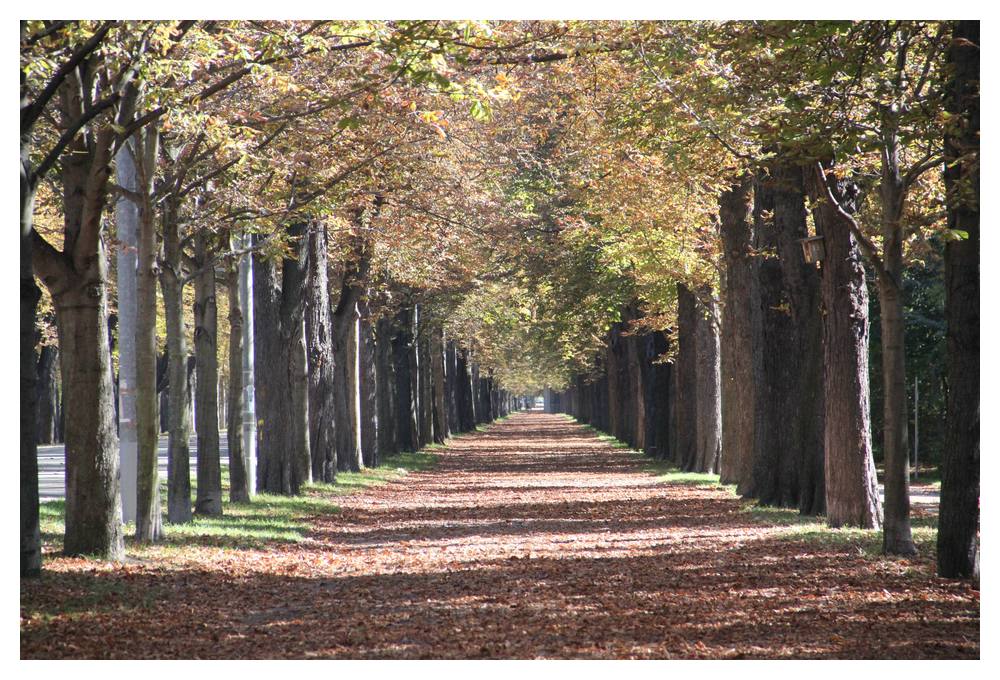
(52,465)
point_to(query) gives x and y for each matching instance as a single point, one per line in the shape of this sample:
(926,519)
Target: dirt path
(534,539)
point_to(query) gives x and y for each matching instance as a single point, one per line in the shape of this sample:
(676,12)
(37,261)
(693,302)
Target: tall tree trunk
(30,535)
(896,536)
(385,389)
(48,395)
(803,401)
(346,396)
(278,323)
(299,390)
(425,403)
(436,348)
(463,392)
(148,521)
(687,379)
(738,351)
(708,390)
(775,465)
(367,386)
(319,343)
(957,542)
(178,390)
(208,500)
(852,497)
(403,355)
(239,487)
(451,385)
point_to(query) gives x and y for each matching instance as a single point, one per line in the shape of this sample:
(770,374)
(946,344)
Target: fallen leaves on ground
(534,539)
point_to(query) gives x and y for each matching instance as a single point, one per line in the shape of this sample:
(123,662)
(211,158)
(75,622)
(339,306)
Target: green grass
(268,519)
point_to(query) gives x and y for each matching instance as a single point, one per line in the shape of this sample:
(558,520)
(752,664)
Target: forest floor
(536,538)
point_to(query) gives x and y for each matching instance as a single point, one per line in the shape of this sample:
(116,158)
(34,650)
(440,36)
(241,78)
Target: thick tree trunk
(708,390)
(178,395)
(345,346)
(239,487)
(687,379)
(367,386)
(403,356)
(958,525)
(803,401)
(30,535)
(852,497)
(658,398)
(438,381)
(739,353)
(775,461)
(319,344)
(208,499)
(385,389)
(278,337)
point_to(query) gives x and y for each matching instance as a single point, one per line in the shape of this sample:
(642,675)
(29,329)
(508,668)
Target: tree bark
(385,389)
(148,520)
(299,385)
(708,390)
(47,395)
(687,379)
(208,499)
(178,389)
(367,386)
(78,286)
(345,344)
(438,381)
(319,343)
(803,401)
(739,353)
(852,497)
(30,534)
(278,323)
(774,465)
(239,487)
(403,354)
(463,388)
(451,385)
(958,524)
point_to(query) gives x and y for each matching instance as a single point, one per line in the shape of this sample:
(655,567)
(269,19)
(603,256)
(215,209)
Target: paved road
(52,461)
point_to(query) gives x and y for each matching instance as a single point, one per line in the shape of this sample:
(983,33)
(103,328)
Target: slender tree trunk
(148,520)
(47,395)
(319,343)
(708,391)
(385,389)
(425,403)
(958,525)
(739,354)
(299,388)
(436,348)
(803,401)
(179,411)
(367,386)
(896,536)
(687,379)
(852,497)
(346,396)
(239,488)
(208,500)
(30,535)
(451,385)
(463,392)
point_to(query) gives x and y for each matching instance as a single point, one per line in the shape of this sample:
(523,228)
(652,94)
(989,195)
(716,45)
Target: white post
(127,223)
(249,416)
